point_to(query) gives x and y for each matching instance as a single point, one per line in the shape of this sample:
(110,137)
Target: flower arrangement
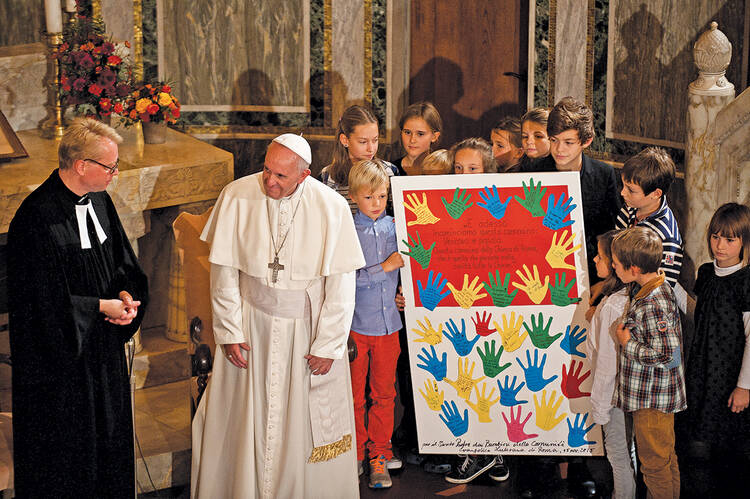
(95,74)
(151,103)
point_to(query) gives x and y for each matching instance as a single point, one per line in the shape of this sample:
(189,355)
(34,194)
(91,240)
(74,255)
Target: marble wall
(22,95)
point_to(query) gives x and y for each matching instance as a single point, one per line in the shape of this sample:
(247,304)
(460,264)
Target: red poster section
(477,243)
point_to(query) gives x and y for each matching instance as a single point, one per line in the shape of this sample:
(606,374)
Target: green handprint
(539,333)
(417,251)
(559,292)
(498,290)
(532,198)
(459,205)
(491,360)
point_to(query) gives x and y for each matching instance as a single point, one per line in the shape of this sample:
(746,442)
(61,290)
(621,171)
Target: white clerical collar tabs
(297,144)
(83,232)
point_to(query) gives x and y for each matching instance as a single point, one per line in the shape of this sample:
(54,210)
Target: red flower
(133,114)
(152,108)
(114,60)
(166,88)
(176,112)
(83,60)
(145,117)
(107,78)
(108,47)
(95,89)
(79,84)
(105,104)
(118,108)
(122,89)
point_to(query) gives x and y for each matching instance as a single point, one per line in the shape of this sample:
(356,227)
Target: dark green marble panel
(22,22)
(379,33)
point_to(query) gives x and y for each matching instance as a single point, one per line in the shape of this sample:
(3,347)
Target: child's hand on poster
(418,252)
(431,363)
(559,292)
(484,403)
(482,324)
(572,379)
(539,333)
(421,210)
(557,211)
(533,286)
(428,333)
(560,250)
(533,198)
(491,359)
(399,299)
(498,289)
(512,341)
(546,418)
(515,426)
(431,294)
(534,373)
(509,392)
(459,205)
(468,294)
(572,339)
(577,432)
(492,202)
(462,345)
(453,420)
(432,396)
(464,381)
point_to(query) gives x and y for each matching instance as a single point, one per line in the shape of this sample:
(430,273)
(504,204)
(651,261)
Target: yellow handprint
(509,332)
(559,251)
(483,405)
(533,286)
(428,333)
(468,294)
(421,210)
(545,412)
(432,396)
(464,382)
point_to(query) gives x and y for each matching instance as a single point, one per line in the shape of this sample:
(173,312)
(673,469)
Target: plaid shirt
(651,372)
(663,223)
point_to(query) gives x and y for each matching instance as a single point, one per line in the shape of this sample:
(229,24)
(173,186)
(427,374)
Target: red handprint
(482,324)
(515,426)
(571,380)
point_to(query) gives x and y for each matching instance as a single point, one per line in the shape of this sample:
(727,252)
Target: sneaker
(394,463)
(469,468)
(379,476)
(360,467)
(499,472)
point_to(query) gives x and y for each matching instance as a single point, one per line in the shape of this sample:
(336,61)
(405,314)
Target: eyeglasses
(110,169)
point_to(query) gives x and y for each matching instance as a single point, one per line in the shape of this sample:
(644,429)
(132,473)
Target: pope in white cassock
(276,420)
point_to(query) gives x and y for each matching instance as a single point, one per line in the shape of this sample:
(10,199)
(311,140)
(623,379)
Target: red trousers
(378,354)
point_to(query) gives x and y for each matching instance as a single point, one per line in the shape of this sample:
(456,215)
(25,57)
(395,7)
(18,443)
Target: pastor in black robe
(72,426)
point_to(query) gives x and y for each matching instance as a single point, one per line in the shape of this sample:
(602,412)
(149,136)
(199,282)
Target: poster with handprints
(496,287)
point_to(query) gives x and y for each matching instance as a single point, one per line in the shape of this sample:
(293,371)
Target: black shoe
(580,481)
(469,468)
(499,472)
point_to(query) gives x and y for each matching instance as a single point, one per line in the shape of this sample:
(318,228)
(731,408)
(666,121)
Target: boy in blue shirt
(376,319)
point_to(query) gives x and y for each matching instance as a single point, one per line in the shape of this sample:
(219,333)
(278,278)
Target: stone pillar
(707,95)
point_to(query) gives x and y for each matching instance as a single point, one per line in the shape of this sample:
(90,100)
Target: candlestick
(52,125)
(53,16)
(70,5)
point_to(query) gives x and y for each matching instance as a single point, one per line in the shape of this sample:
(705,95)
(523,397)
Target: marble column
(707,95)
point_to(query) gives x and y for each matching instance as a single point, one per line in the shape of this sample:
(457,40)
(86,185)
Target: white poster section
(490,374)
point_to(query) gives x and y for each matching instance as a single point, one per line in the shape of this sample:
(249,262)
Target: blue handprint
(572,339)
(431,294)
(438,368)
(556,212)
(462,345)
(534,373)
(577,432)
(492,202)
(509,392)
(453,420)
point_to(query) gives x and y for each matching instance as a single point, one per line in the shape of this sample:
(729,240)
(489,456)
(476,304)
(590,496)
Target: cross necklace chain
(275,266)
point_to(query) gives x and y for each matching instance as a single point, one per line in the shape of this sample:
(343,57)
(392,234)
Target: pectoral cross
(275,266)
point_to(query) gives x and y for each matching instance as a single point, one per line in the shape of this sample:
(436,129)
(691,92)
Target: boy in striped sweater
(646,178)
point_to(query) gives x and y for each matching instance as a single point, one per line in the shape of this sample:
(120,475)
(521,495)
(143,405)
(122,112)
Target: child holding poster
(420,129)
(650,379)
(602,351)
(376,320)
(357,138)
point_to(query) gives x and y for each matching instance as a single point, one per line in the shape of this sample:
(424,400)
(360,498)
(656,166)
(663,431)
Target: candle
(53,15)
(70,5)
